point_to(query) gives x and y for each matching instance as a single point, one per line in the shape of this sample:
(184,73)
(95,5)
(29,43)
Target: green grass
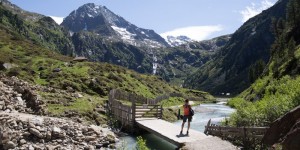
(172,101)
(81,105)
(280,96)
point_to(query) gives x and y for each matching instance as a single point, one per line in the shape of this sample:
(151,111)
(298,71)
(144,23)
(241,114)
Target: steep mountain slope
(100,20)
(99,49)
(30,16)
(212,44)
(174,64)
(38,28)
(277,90)
(229,69)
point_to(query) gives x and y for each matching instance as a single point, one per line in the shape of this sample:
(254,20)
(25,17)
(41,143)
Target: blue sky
(198,19)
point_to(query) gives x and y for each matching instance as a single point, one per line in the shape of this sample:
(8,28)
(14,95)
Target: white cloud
(58,20)
(197,33)
(254,9)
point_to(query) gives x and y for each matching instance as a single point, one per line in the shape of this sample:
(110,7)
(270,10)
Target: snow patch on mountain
(124,33)
(177,40)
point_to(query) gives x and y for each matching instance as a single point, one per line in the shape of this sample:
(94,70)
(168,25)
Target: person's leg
(183,122)
(189,124)
(182,125)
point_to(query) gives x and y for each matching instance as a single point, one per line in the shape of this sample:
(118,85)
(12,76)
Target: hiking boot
(187,132)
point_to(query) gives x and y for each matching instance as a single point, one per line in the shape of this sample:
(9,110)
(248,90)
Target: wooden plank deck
(169,131)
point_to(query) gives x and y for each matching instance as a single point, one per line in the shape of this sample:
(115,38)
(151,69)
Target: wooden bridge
(136,111)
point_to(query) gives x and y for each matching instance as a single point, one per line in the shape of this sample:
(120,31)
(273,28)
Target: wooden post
(245,138)
(133,107)
(206,127)
(161,112)
(157,113)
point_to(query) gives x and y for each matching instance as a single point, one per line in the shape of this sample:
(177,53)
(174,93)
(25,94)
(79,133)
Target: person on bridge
(186,116)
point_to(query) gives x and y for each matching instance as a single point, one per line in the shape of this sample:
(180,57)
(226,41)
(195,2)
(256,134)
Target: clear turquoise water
(203,112)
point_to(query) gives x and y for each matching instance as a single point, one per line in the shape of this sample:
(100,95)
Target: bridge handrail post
(133,107)
(157,113)
(207,126)
(161,111)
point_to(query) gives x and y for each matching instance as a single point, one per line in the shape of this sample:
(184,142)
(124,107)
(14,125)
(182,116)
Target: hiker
(186,115)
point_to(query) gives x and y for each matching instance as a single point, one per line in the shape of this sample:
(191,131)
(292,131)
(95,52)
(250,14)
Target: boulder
(2,103)
(9,145)
(284,129)
(57,70)
(30,147)
(48,135)
(57,133)
(36,132)
(78,95)
(291,140)
(56,130)
(90,138)
(4,138)
(22,142)
(8,65)
(111,138)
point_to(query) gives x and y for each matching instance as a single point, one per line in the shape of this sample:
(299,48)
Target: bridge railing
(148,111)
(234,132)
(138,107)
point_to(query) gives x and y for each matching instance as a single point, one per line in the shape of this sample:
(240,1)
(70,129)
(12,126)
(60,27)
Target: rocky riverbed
(25,126)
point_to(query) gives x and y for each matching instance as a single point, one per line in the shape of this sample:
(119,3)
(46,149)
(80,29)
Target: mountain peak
(90,10)
(100,20)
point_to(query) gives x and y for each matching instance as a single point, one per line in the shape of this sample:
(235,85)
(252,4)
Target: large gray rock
(56,130)
(90,138)
(36,132)
(22,142)
(4,137)
(8,65)
(9,145)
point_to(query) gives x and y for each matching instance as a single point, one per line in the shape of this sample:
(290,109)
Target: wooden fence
(139,107)
(235,132)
